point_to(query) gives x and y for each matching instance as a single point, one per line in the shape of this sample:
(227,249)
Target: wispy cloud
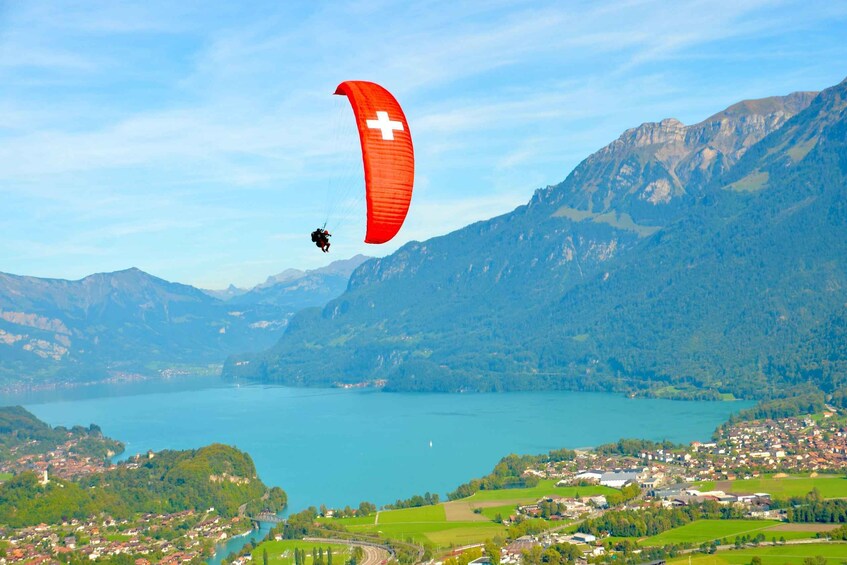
(126,126)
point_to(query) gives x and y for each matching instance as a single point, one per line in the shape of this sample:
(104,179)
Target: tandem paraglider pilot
(388,159)
(320,237)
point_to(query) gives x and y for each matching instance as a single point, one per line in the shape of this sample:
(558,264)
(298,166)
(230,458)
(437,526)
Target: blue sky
(200,142)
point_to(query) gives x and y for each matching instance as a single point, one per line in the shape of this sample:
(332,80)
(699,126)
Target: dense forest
(216,476)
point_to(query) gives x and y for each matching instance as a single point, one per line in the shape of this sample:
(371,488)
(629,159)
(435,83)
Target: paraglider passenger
(320,237)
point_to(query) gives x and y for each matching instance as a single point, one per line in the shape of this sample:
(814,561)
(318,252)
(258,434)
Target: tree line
(508,473)
(653,521)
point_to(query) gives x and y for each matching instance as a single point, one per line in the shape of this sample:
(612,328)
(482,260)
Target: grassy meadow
(830,486)
(835,554)
(456,523)
(708,530)
(282,552)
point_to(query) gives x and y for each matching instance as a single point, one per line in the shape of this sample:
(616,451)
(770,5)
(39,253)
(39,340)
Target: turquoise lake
(338,447)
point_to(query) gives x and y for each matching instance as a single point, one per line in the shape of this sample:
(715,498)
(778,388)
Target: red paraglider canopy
(387,155)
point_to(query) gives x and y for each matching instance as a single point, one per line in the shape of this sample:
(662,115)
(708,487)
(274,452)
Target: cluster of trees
(20,428)
(558,554)
(274,500)
(299,525)
(839,533)
(526,527)
(813,508)
(508,473)
(745,539)
(799,401)
(305,524)
(427,499)
(551,508)
(630,553)
(628,447)
(652,521)
(317,556)
(365,508)
(625,494)
(838,398)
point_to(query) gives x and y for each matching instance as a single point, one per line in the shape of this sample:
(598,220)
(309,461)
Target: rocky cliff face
(619,195)
(651,172)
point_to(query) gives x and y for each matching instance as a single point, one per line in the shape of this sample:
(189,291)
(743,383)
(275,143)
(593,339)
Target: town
(641,475)
(184,537)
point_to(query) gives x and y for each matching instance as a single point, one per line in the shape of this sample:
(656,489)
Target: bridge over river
(268,517)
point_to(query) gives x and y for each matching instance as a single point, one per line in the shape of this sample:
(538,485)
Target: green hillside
(215,476)
(22,432)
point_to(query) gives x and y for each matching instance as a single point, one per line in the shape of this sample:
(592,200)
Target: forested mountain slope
(685,258)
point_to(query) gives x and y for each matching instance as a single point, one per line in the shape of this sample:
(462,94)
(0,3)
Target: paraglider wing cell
(387,155)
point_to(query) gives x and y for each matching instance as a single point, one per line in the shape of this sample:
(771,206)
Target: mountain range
(689,261)
(129,322)
(294,289)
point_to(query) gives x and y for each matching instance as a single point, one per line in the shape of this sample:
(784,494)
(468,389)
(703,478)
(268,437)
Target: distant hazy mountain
(294,289)
(677,259)
(132,322)
(229,292)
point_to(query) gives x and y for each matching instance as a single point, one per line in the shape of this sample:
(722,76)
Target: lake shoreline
(389,446)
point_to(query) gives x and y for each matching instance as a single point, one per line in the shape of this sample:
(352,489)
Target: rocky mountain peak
(653,169)
(669,130)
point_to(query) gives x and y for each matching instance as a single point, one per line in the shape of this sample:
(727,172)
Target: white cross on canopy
(385,125)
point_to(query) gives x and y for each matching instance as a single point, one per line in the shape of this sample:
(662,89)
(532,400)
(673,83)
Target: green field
(709,530)
(280,552)
(440,534)
(427,524)
(771,555)
(621,221)
(419,514)
(830,486)
(5,477)
(459,526)
(751,183)
(504,511)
